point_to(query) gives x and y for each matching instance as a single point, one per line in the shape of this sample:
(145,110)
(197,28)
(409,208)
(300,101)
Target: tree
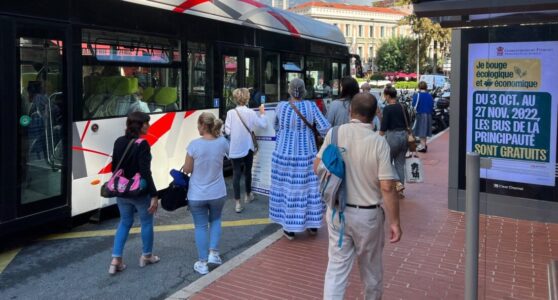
(428,32)
(396,54)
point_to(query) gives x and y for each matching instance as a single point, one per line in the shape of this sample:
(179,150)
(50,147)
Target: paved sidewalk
(428,263)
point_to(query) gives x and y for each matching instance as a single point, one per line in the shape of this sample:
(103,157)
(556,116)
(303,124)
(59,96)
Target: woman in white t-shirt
(239,124)
(207,191)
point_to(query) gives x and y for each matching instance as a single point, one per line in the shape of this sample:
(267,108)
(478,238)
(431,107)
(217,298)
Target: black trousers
(237,173)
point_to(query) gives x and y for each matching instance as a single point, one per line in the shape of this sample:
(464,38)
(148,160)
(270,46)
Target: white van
(435,81)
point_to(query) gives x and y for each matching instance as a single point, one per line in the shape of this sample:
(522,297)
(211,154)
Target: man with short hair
(369,180)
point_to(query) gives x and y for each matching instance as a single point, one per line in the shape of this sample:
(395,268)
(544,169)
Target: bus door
(39,108)
(237,67)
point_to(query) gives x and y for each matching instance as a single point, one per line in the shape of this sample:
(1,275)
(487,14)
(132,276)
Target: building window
(382,31)
(360,30)
(371,52)
(371,32)
(359,51)
(393,31)
(347,30)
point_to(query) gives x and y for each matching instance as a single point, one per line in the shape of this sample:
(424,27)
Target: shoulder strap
(242,120)
(418,99)
(405,116)
(301,116)
(124,154)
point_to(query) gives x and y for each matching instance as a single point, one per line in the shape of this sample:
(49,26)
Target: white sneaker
(201,267)
(214,258)
(238,208)
(249,198)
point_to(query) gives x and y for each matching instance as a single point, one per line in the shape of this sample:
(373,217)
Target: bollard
(472,225)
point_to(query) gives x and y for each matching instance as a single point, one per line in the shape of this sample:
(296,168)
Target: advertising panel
(261,169)
(512,110)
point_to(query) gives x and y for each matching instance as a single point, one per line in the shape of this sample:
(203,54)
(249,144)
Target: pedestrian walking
(207,191)
(134,156)
(376,122)
(369,186)
(338,111)
(239,125)
(423,104)
(295,201)
(395,129)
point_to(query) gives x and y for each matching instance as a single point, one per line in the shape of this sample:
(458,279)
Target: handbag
(411,139)
(414,171)
(317,137)
(176,195)
(120,186)
(252,134)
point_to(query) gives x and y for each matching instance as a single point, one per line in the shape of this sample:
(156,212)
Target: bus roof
(255,14)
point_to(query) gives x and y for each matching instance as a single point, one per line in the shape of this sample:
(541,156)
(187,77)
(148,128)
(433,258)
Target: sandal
(144,261)
(113,269)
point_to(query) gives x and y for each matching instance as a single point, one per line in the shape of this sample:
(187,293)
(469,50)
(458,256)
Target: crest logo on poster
(500,51)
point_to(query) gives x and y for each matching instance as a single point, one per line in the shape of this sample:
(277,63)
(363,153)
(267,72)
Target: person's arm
(188,166)
(327,141)
(384,121)
(391,204)
(228,123)
(387,177)
(322,124)
(260,119)
(145,172)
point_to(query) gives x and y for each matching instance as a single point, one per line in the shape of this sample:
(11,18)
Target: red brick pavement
(428,263)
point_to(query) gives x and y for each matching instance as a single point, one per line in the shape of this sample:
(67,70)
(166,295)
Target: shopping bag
(414,171)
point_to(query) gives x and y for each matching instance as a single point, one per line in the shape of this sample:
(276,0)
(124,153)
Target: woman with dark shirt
(136,159)
(394,128)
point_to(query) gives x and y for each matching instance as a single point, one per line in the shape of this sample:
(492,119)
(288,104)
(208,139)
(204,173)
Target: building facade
(364,27)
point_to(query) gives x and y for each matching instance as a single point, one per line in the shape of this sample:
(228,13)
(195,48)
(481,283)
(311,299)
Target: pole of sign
(472,225)
(418,57)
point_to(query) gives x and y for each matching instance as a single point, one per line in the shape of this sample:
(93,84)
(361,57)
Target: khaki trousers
(364,239)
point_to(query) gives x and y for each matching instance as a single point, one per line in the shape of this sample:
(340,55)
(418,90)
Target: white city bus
(72,69)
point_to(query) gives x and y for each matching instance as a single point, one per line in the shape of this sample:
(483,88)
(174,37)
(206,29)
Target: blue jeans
(207,212)
(126,207)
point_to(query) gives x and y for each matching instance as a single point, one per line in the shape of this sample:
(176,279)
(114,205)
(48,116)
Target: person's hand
(262,109)
(154,204)
(395,233)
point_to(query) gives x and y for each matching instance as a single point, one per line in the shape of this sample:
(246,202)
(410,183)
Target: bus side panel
(169,135)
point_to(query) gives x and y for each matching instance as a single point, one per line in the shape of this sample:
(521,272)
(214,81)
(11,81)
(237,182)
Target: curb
(225,268)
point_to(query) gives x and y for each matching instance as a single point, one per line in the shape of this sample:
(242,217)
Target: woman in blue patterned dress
(295,199)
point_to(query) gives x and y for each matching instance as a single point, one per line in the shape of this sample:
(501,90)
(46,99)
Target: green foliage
(378,76)
(397,54)
(410,85)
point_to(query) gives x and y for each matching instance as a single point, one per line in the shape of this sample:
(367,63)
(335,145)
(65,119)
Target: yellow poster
(507,74)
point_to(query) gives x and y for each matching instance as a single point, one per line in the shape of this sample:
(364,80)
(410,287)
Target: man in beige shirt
(369,179)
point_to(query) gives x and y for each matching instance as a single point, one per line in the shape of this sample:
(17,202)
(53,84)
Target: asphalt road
(77,267)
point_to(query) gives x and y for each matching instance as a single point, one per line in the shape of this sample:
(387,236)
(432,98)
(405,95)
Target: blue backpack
(331,173)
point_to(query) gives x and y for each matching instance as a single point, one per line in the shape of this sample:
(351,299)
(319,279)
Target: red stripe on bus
(285,22)
(156,131)
(189,113)
(159,128)
(85,131)
(254,3)
(186,5)
(89,150)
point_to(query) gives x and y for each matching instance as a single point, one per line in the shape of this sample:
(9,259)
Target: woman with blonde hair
(239,124)
(207,191)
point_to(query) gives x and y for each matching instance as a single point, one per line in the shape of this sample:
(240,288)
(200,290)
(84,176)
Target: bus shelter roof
(469,13)
(255,14)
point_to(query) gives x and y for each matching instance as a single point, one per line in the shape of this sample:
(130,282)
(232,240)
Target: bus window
(317,86)
(124,73)
(293,66)
(230,80)
(42,106)
(271,77)
(335,79)
(197,80)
